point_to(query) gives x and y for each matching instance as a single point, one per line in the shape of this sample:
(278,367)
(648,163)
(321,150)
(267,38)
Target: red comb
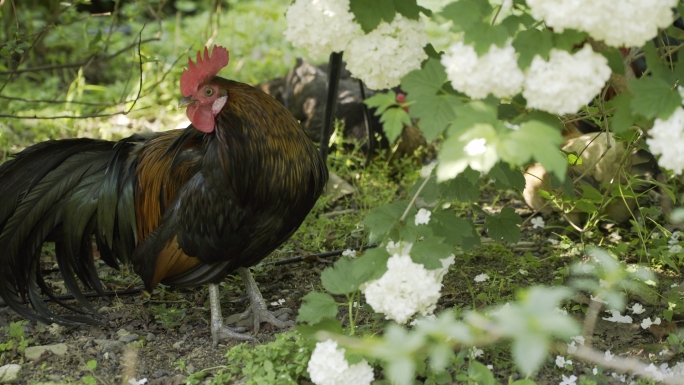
(206,68)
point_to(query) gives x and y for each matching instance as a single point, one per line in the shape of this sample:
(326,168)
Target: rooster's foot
(257,305)
(218,330)
(278,318)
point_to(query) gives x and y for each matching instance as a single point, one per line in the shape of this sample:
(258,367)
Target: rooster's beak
(185,101)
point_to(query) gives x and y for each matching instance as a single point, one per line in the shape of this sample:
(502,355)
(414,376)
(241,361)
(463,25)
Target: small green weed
(17,340)
(281,362)
(169,317)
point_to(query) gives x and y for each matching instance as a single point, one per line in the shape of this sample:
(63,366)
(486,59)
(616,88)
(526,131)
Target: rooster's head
(203,99)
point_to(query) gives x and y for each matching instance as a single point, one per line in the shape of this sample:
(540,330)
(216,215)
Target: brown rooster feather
(185,207)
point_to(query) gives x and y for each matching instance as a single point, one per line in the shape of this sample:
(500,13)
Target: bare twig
(56,101)
(625,365)
(80,64)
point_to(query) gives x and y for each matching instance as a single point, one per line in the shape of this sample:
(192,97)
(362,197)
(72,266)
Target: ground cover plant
(446,276)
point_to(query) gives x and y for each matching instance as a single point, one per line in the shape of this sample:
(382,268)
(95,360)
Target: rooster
(184,207)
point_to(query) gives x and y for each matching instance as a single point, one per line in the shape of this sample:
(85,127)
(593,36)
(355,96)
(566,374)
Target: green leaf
(408,8)
(454,229)
(393,121)
(371,13)
(465,14)
(331,325)
(431,52)
(430,193)
(340,278)
(586,206)
(383,219)
(504,225)
(426,81)
(529,351)
(506,177)
(653,97)
(317,306)
(472,113)
(569,39)
(535,139)
(483,35)
(92,364)
(456,153)
(507,111)
(381,101)
(434,113)
(480,374)
(531,43)
(431,106)
(430,251)
(615,60)
(622,119)
(591,194)
(465,187)
(525,381)
(372,264)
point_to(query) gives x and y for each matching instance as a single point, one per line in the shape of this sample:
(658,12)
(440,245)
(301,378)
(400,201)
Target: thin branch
(10,116)
(625,365)
(56,101)
(83,63)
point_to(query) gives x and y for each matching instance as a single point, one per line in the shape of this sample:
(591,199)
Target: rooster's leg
(258,306)
(218,330)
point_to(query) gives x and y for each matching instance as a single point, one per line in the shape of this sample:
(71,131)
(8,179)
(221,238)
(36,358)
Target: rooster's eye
(208,92)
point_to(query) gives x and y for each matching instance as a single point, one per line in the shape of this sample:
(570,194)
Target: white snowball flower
(623,23)
(481,277)
(567,81)
(646,323)
(572,380)
(349,253)
(657,374)
(321,26)
(609,356)
(558,310)
(667,140)
(616,317)
(572,347)
(637,308)
(401,248)
(423,217)
(406,288)
(328,366)
(578,339)
(561,362)
(383,56)
(496,72)
(426,171)
(538,222)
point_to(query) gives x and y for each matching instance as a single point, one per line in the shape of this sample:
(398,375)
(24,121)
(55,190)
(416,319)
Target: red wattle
(201,117)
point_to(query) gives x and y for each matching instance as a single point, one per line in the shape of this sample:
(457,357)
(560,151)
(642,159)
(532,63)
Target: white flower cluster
(646,322)
(383,56)
(321,26)
(561,85)
(617,317)
(667,140)
(496,72)
(567,81)
(627,22)
(380,58)
(328,366)
(406,288)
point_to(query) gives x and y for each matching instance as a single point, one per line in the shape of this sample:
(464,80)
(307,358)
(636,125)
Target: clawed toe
(225,332)
(278,318)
